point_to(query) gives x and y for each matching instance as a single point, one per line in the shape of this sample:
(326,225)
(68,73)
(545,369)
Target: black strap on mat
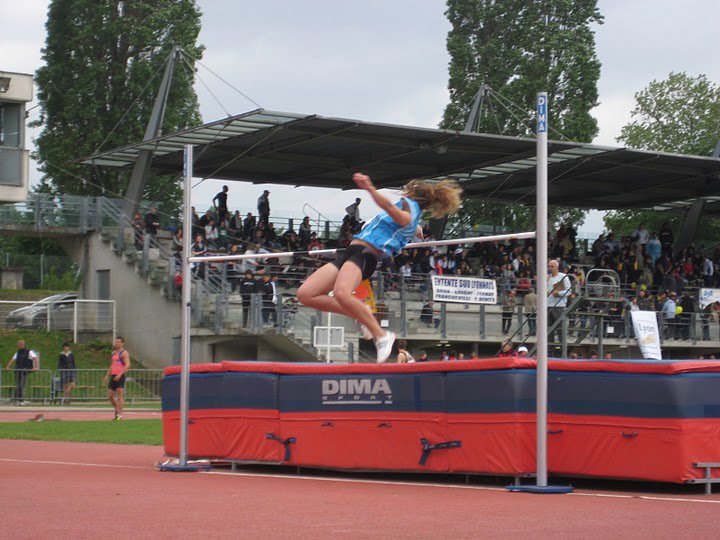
(427,448)
(285,442)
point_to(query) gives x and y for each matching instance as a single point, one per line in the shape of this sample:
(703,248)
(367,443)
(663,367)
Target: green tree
(103,65)
(680,114)
(520,48)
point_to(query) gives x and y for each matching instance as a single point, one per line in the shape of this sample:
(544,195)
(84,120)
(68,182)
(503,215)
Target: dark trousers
(21,376)
(246,311)
(532,323)
(506,321)
(555,314)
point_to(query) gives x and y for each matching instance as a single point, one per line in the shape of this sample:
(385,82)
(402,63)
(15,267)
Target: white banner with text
(647,334)
(464,290)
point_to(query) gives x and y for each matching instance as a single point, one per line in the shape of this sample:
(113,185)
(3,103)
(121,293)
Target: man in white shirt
(708,271)
(559,290)
(642,235)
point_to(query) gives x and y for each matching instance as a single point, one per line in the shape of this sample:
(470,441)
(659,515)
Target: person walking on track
(115,376)
(387,233)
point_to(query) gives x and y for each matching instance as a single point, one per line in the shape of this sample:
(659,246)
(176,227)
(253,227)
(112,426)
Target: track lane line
(356,481)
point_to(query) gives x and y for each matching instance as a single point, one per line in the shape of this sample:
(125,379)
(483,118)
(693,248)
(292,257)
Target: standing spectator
(641,234)
(263,206)
(220,203)
(422,357)
(666,239)
(66,367)
(305,231)
(151,225)
(669,308)
(654,248)
(115,376)
(138,224)
(248,287)
(507,311)
(211,234)
(268,299)
(234,269)
(708,269)
(25,361)
(559,290)
(353,213)
(530,307)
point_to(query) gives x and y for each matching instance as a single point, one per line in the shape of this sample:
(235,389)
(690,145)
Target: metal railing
(47,386)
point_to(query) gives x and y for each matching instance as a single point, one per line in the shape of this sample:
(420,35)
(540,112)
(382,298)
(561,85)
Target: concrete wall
(148,321)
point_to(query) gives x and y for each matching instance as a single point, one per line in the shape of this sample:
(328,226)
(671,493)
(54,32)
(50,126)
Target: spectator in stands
(220,203)
(248,228)
(427,315)
(684,318)
(211,235)
(653,248)
(522,351)
(68,375)
(234,269)
(177,241)
(422,357)
(152,222)
(506,349)
(198,249)
(267,289)
(708,270)
(353,214)
(641,234)
(669,308)
(248,287)
(559,290)
(177,283)
(507,311)
(403,356)
(530,307)
(115,376)
(666,239)
(305,231)
(263,207)
(138,224)
(26,361)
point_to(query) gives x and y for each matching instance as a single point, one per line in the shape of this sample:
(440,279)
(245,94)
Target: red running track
(73,490)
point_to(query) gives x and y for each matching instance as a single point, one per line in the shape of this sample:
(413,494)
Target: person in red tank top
(115,376)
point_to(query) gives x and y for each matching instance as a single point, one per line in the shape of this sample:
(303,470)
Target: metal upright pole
(541,270)
(186,305)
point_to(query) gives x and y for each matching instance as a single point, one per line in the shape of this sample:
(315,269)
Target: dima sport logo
(356,392)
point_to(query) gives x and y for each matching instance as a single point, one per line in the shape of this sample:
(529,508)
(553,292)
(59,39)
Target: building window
(10,124)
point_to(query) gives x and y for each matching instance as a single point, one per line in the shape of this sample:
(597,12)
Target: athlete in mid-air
(385,235)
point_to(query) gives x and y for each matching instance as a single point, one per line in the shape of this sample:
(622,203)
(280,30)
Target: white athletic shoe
(384,347)
(364,331)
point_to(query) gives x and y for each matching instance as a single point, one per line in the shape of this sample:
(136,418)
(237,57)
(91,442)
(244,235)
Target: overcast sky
(385,61)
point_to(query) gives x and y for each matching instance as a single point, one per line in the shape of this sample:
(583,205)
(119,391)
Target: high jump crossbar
(429,243)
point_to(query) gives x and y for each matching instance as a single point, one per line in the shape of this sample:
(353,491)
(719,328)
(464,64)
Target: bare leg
(120,400)
(348,279)
(314,293)
(111,398)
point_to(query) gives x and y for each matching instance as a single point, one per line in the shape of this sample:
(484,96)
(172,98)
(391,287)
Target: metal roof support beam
(138,179)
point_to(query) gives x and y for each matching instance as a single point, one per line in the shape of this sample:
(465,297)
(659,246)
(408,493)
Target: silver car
(59,307)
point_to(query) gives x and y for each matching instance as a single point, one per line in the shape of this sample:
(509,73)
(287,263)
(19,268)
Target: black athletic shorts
(114,385)
(361,255)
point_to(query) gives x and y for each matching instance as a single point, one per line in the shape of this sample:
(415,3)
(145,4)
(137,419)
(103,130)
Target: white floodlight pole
(186,304)
(541,270)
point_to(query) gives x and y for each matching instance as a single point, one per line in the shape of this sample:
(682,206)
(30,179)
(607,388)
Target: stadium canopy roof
(306,150)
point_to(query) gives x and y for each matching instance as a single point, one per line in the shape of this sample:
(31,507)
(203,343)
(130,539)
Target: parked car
(58,306)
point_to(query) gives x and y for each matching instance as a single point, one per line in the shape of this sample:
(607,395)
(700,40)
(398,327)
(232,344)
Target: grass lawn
(29,295)
(106,431)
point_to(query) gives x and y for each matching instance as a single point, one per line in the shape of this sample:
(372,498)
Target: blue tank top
(384,234)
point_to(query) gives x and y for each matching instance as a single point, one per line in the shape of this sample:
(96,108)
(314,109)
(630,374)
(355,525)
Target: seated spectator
(506,349)
(522,351)
(248,228)
(211,234)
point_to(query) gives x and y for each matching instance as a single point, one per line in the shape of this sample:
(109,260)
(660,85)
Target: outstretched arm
(401,217)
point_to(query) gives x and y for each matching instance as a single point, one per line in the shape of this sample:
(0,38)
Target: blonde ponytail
(440,199)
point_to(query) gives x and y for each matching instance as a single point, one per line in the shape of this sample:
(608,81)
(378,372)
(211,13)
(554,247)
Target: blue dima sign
(542,114)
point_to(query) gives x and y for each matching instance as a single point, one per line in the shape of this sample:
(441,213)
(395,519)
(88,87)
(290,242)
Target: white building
(16,89)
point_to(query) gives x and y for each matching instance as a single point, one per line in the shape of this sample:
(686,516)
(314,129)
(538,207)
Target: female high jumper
(386,234)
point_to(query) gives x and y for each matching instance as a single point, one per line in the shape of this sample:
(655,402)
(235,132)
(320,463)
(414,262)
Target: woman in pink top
(115,376)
